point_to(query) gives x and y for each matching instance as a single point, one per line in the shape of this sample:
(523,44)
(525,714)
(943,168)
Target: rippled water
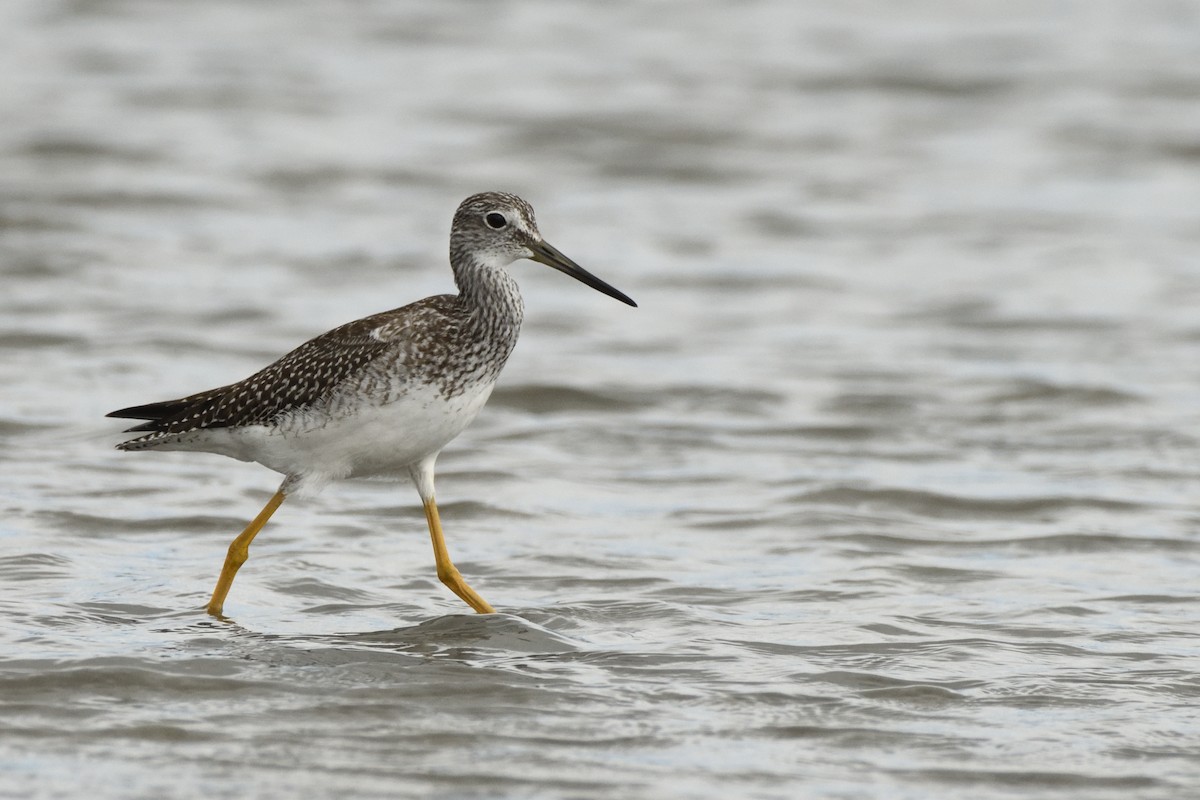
(888,489)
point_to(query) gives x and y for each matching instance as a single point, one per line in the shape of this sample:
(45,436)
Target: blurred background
(887,489)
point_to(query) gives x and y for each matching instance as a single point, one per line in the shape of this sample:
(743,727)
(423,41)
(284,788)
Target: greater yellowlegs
(380,395)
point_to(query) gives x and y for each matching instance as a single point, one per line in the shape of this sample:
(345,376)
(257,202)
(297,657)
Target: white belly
(373,440)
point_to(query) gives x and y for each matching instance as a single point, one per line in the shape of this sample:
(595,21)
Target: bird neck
(490,294)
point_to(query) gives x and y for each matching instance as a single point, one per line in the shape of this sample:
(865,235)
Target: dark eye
(496,220)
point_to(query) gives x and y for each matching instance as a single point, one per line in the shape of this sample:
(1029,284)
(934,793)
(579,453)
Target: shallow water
(887,490)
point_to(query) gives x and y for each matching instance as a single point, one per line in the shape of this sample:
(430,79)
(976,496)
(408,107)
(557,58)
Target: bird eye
(496,220)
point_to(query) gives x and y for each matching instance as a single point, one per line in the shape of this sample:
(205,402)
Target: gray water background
(887,490)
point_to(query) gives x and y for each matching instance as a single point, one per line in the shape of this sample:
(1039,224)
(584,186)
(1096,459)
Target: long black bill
(547,254)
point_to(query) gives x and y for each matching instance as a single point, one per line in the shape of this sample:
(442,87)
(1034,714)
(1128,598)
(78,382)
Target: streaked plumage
(383,394)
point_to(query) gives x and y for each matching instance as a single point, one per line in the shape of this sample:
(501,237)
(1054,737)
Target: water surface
(887,490)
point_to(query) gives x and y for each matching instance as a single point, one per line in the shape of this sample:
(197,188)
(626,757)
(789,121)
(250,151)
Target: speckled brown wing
(308,375)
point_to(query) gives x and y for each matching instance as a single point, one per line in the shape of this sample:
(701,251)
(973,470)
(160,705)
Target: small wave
(1051,543)
(77,148)
(1027,781)
(34,566)
(1036,391)
(116,678)
(476,632)
(936,504)
(546,398)
(38,339)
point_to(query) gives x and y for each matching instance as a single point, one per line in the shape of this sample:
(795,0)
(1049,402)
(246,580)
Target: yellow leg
(446,571)
(239,551)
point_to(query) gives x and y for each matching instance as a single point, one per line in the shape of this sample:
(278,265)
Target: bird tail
(155,413)
(159,416)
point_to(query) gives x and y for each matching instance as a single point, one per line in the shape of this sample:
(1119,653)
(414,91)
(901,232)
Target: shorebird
(381,395)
